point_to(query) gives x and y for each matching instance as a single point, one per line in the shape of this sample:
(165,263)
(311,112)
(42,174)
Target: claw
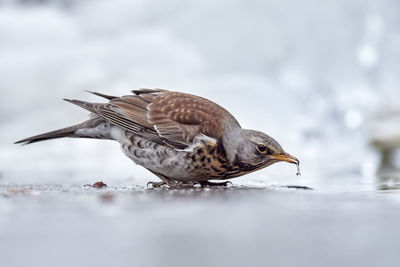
(156,184)
(180,185)
(174,185)
(213,184)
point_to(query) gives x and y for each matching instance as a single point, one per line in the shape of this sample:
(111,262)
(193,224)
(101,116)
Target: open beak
(285,157)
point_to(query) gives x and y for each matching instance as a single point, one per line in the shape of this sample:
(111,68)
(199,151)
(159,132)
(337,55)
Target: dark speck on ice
(97,185)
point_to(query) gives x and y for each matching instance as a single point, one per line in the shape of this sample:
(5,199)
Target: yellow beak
(285,157)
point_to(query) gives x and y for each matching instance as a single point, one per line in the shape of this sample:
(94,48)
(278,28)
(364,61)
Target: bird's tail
(64,132)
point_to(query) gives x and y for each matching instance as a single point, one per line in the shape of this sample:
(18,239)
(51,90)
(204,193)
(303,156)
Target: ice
(240,226)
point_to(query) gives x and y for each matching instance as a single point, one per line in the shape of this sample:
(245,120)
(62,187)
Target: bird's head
(258,150)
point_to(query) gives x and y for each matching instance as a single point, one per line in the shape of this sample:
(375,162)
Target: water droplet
(298,169)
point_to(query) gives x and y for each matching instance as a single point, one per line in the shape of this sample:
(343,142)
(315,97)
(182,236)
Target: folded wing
(163,116)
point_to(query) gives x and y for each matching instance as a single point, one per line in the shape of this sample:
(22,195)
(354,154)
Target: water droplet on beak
(298,169)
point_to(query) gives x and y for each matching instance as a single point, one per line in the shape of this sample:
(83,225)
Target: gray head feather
(254,150)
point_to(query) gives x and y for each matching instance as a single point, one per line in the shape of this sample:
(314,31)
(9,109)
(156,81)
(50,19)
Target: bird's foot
(213,184)
(170,184)
(157,184)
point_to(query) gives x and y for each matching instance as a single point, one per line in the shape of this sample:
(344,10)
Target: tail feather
(64,132)
(72,130)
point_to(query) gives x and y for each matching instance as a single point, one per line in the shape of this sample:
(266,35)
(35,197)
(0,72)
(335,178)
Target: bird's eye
(261,148)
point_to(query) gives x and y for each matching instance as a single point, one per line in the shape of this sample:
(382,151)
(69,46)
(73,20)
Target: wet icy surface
(124,225)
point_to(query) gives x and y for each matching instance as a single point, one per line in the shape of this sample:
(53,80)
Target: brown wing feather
(180,117)
(163,116)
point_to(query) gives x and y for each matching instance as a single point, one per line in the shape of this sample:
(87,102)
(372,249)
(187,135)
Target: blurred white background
(313,74)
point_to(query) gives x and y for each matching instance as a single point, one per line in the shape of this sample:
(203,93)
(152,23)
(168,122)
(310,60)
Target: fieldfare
(182,138)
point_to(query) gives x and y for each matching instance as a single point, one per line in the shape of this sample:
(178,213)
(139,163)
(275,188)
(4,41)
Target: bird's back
(163,116)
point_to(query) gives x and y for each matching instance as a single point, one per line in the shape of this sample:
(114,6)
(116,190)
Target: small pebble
(99,184)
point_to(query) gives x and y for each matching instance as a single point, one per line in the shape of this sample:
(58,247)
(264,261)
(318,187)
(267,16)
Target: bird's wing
(163,116)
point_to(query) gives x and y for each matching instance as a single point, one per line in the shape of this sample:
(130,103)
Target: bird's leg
(174,184)
(157,184)
(213,184)
(164,181)
(168,182)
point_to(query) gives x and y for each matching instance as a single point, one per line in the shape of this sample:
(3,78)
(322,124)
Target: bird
(181,138)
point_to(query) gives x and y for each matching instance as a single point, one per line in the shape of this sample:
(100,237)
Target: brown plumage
(165,117)
(178,126)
